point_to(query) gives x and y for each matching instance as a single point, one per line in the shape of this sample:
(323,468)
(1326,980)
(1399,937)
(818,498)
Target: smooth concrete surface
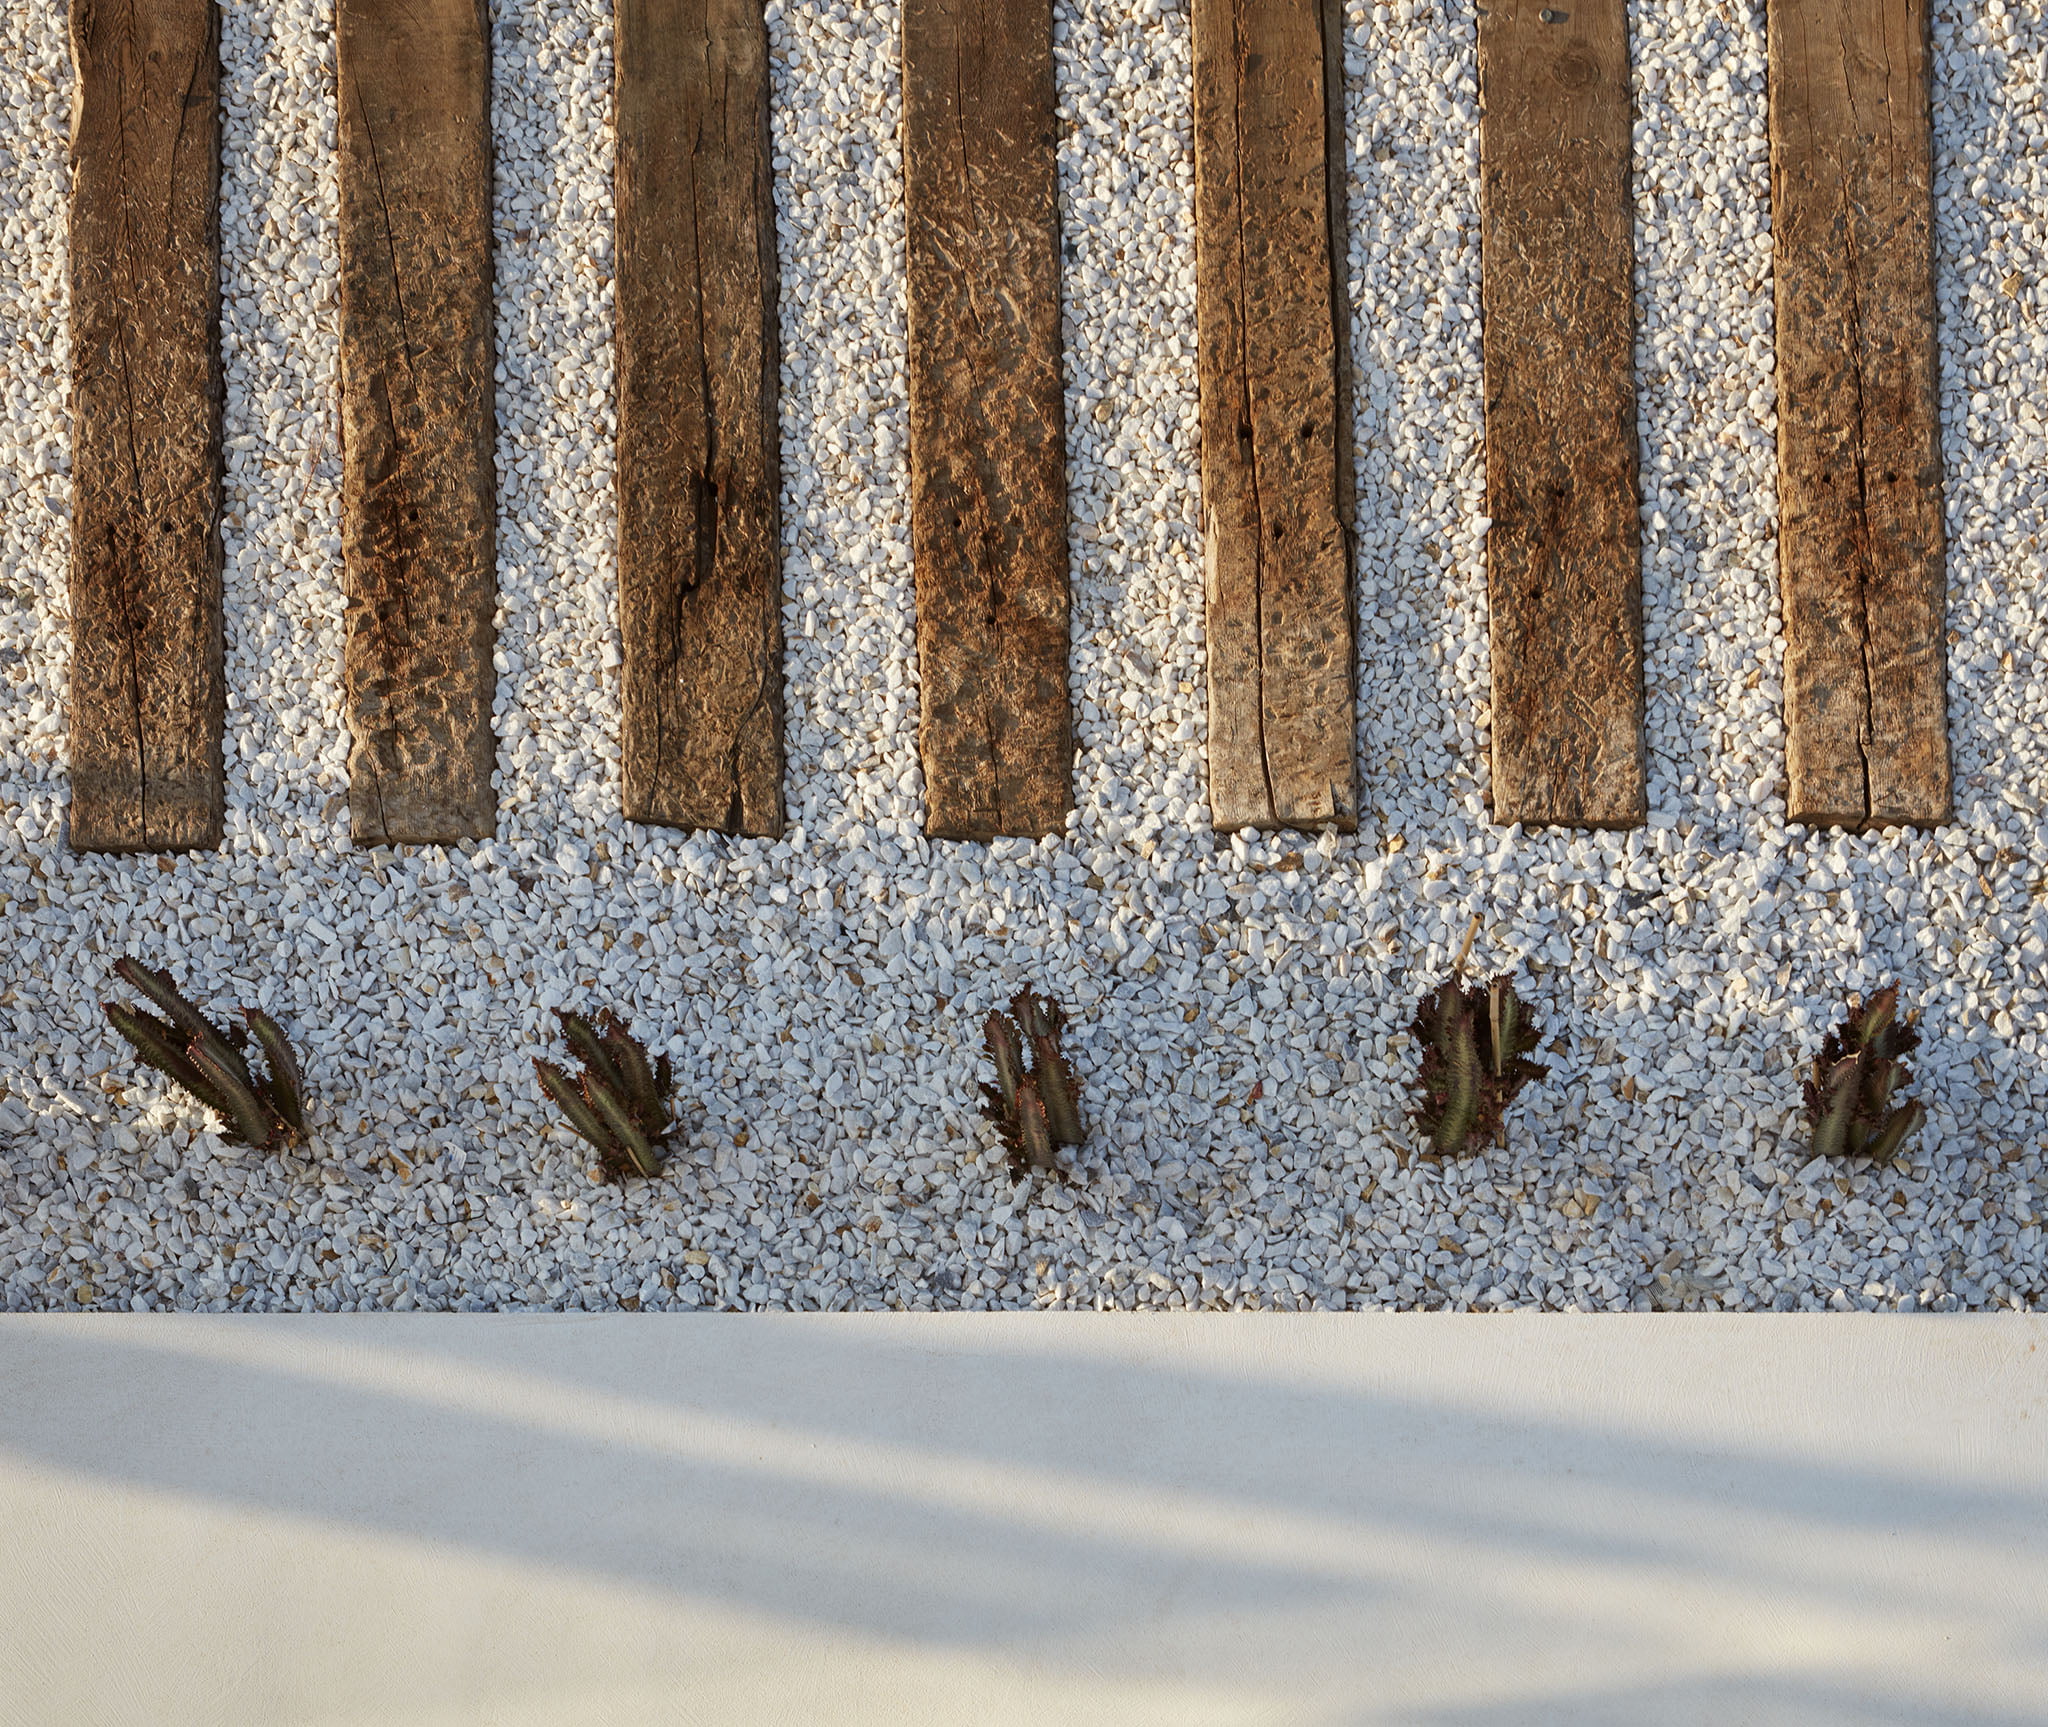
(1210,1521)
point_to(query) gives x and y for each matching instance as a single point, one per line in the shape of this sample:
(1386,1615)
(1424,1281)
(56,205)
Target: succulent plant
(260,1108)
(1855,1077)
(1036,1108)
(619,1102)
(1475,1044)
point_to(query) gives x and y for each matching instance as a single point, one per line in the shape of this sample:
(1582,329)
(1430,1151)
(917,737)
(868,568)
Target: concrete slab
(1342,1520)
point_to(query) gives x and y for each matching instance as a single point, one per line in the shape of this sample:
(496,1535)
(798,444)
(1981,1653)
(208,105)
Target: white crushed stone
(1240,1007)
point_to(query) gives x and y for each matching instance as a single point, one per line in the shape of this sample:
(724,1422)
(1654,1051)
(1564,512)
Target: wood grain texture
(1563,559)
(417,417)
(700,565)
(1276,424)
(987,416)
(148,701)
(1859,447)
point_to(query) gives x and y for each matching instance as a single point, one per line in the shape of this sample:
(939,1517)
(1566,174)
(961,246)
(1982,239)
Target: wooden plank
(700,565)
(987,416)
(1564,560)
(417,417)
(1276,423)
(148,693)
(1859,444)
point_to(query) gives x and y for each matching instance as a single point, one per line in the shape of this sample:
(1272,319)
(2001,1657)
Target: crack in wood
(418,422)
(1564,552)
(1859,466)
(1275,422)
(987,417)
(147,697)
(700,572)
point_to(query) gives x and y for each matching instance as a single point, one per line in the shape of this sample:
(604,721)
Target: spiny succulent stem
(1903,1124)
(1856,1076)
(583,1038)
(1036,1133)
(568,1097)
(1034,1108)
(620,1102)
(285,1091)
(631,1062)
(210,1064)
(1006,1051)
(1475,1043)
(155,1042)
(245,1109)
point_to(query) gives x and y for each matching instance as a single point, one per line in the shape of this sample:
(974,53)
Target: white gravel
(1241,1006)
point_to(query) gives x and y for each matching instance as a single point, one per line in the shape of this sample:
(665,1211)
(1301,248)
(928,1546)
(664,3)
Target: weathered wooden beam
(1563,559)
(700,565)
(1276,420)
(1859,439)
(987,416)
(148,694)
(418,429)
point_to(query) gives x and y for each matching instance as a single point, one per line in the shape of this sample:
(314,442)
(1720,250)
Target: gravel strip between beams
(1240,1007)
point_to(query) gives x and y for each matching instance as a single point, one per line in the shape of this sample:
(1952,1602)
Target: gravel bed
(1241,1005)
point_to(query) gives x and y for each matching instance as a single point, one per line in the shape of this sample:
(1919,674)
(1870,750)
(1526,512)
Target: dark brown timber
(1859,450)
(417,422)
(1276,423)
(700,568)
(987,416)
(1564,572)
(147,692)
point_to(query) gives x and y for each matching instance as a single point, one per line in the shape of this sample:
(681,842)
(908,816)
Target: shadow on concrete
(1204,1515)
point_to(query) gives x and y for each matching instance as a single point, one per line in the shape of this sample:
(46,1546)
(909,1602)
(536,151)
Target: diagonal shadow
(937,1488)
(1715,1702)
